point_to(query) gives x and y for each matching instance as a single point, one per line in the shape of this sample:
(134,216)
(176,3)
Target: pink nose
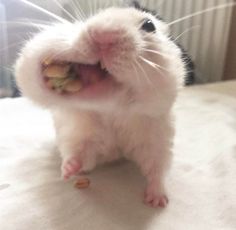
(105,39)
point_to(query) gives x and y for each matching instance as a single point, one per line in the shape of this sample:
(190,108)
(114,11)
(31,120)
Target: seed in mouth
(61,77)
(71,77)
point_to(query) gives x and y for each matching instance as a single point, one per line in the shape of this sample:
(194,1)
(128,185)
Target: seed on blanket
(82,183)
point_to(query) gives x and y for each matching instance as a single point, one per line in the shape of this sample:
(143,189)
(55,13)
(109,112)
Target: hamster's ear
(131,3)
(135,4)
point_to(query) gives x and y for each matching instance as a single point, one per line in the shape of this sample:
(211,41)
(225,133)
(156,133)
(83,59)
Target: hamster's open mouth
(84,80)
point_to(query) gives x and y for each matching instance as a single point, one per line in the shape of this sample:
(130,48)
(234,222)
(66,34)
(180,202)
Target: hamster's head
(119,56)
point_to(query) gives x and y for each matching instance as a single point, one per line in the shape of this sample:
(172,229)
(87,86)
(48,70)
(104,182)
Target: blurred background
(209,38)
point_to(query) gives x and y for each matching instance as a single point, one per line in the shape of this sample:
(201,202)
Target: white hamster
(130,71)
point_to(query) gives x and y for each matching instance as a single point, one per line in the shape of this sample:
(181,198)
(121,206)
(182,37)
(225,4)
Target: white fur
(134,121)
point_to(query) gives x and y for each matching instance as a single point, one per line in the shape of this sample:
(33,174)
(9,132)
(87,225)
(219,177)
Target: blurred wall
(230,66)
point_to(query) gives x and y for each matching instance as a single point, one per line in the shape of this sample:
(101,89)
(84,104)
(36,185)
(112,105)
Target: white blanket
(201,184)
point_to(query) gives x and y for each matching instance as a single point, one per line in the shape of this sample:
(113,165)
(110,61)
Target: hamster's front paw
(154,197)
(71,166)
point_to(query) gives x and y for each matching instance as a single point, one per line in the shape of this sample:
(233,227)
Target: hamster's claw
(155,200)
(71,167)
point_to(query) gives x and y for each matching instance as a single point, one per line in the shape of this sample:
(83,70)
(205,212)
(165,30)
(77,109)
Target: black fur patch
(189,65)
(137,6)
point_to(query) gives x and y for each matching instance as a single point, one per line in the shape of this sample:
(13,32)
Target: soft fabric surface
(201,183)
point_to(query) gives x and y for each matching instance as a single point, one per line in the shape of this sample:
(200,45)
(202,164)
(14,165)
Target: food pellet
(56,71)
(82,183)
(73,86)
(47,61)
(60,76)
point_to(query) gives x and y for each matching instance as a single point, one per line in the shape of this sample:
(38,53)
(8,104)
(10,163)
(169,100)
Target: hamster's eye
(148,26)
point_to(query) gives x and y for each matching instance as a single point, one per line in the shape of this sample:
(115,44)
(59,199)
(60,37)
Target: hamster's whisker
(79,10)
(35,21)
(19,23)
(154,65)
(218,7)
(64,10)
(95,6)
(12,45)
(77,13)
(145,74)
(49,13)
(156,52)
(90,9)
(10,69)
(136,73)
(187,31)
(29,35)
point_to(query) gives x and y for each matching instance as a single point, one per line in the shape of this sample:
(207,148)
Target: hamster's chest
(123,132)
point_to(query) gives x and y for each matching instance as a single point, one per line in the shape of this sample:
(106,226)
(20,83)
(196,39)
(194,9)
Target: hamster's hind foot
(155,198)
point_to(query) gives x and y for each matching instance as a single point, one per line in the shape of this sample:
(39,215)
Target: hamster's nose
(105,39)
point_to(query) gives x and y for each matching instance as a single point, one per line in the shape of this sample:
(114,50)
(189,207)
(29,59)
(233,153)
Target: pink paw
(71,167)
(155,199)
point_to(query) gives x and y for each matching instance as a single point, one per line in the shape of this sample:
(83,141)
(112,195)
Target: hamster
(130,71)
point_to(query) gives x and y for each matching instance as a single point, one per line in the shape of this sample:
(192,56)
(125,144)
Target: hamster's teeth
(103,67)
